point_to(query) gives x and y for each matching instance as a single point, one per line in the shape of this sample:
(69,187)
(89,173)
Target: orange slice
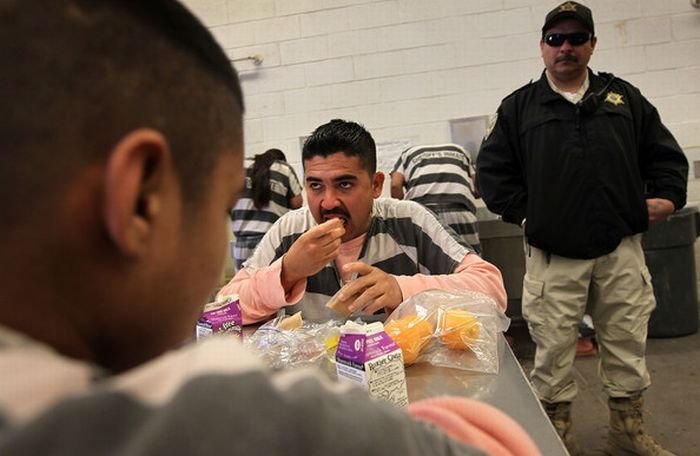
(459,328)
(411,333)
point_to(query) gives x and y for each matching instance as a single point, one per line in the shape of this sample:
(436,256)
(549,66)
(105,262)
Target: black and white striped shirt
(249,223)
(403,239)
(194,400)
(440,177)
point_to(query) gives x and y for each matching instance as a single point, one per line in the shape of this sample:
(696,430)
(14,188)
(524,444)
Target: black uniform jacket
(579,173)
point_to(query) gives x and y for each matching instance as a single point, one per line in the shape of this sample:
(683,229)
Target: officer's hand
(659,209)
(375,287)
(311,252)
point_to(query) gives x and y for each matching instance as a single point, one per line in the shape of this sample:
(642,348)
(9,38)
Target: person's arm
(473,273)
(659,209)
(263,290)
(499,174)
(261,293)
(447,263)
(664,165)
(475,185)
(296,201)
(374,289)
(311,252)
(295,189)
(397,181)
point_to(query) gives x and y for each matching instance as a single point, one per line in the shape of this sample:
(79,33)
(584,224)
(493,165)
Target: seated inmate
(384,250)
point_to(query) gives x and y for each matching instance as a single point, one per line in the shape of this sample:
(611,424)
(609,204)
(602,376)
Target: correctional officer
(582,161)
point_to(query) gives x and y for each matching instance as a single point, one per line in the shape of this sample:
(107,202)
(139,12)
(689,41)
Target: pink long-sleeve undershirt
(262,295)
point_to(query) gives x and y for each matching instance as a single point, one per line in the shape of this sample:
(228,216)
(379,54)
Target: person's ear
(377,184)
(133,189)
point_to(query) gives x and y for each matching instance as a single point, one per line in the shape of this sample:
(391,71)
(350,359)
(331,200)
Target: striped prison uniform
(403,239)
(440,177)
(213,397)
(249,223)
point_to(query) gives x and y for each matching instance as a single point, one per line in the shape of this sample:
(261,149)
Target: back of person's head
(350,138)
(260,176)
(79,74)
(275,154)
(120,155)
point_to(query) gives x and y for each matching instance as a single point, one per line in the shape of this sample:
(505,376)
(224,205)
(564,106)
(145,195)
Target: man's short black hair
(80,74)
(350,138)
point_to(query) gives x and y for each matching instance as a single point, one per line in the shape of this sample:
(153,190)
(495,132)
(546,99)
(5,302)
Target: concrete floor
(672,402)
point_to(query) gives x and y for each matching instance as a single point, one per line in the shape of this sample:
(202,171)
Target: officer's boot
(559,414)
(627,435)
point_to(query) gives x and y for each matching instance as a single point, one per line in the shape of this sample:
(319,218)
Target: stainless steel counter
(508,391)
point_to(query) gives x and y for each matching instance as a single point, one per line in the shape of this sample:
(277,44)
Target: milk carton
(222,315)
(368,356)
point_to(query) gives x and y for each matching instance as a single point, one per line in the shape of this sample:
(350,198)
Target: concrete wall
(405,68)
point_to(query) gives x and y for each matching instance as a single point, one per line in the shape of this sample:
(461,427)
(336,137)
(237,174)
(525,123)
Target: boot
(627,435)
(559,414)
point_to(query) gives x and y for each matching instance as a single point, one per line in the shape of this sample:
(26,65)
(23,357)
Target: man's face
(338,186)
(567,62)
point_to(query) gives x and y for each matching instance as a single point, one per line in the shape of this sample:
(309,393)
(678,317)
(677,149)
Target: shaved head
(78,75)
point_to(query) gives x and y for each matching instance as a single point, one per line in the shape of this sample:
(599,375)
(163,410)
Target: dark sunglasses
(574,39)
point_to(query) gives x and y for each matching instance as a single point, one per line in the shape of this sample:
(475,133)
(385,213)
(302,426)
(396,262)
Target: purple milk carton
(222,315)
(368,356)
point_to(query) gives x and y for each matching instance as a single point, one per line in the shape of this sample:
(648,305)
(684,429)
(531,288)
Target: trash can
(670,256)
(502,245)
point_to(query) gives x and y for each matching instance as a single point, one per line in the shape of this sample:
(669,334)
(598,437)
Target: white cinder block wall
(404,68)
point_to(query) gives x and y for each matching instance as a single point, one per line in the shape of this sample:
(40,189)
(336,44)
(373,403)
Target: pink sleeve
(475,423)
(473,273)
(261,293)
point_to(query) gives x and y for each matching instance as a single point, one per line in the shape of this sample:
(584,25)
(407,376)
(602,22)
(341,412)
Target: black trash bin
(670,256)
(502,245)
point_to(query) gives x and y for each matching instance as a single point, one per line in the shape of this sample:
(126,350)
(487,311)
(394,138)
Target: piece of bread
(341,307)
(291,322)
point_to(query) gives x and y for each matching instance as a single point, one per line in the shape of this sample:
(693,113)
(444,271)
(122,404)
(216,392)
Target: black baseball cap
(570,10)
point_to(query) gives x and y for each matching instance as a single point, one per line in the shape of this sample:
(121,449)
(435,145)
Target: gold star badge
(614,98)
(568,6)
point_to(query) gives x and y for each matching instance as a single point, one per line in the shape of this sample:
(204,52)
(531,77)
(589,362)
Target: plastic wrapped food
(288,341)
(411,333)
(458,328)
(464,328)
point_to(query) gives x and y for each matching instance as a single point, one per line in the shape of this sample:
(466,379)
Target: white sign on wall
(468,133)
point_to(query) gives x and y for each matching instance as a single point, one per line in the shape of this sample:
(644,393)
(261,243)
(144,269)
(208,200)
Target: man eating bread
(367,253)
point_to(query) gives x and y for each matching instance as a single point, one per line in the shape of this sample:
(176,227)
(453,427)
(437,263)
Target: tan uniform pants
(616,290)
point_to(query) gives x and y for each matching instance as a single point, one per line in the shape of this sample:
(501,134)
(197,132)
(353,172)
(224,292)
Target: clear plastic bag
(311,343)
(457,329)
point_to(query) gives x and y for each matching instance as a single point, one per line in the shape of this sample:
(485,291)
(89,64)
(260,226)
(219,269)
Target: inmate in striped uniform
(440,177)
(403,239)
(249,223)
(53,404)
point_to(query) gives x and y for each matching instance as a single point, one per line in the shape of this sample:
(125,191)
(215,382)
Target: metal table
(509,391)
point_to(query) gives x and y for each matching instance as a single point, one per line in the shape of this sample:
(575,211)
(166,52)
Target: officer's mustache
(566,58)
